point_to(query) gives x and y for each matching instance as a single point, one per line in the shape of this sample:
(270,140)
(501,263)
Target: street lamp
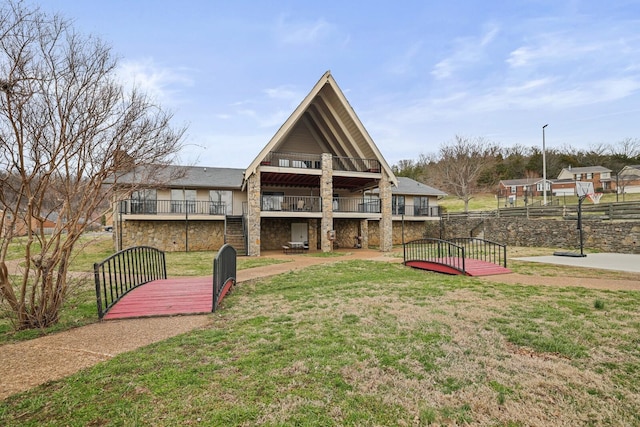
(544,170)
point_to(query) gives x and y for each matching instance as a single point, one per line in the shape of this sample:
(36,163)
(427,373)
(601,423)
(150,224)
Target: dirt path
(30,363)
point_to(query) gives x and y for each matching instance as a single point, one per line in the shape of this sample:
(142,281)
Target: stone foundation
(173,236)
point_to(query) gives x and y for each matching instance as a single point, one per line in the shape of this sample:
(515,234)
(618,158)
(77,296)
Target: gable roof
(185,177)
(520,181)
(331,120)
(630,170)
(586,169)
(412,187)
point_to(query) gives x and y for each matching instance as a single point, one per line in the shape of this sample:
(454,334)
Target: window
(540,188)
(144,202)
(605,175)
(272,200)
(421,206)
(220,202)
(183,201)
(578,176)
(514,189)
(589,176)
(397,205)
(371,203)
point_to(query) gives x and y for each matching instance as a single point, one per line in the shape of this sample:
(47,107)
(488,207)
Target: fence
(124,271)
(602,211)
(224,274)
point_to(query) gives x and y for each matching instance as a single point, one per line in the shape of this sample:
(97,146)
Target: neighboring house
(320,180)
(521,188)
(415,199)
(20,228)
(628,179)
(598,175)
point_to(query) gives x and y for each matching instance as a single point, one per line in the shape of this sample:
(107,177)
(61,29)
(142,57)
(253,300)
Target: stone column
(326,192)
(253,214)
(364,233)
(386,223)
(313,234)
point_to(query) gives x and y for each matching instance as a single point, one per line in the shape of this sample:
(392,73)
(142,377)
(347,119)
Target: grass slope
(362,343)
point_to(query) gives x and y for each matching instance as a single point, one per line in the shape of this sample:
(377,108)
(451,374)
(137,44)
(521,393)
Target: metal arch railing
(436,250)
(224,273)
(125,270)
(483,250)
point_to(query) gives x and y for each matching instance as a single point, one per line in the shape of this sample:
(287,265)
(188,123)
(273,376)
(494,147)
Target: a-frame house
(314,181)
(320,183)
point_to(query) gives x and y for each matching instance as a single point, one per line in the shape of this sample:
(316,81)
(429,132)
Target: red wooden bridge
(165,297)
(133,283)
(468,256)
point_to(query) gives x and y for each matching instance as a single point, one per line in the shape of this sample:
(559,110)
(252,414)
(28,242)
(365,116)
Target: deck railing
(354,164)
(124,271)
(356,205)
(416,210)
(483,250)
(435,250)
(293,160)
(168,207)
(314,161)
(291,203)
(224,273)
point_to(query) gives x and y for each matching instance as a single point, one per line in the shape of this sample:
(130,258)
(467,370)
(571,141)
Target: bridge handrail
(435,250)
(125,270)
(224,273)
(483,250)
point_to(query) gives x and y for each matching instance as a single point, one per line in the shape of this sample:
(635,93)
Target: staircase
(234,234)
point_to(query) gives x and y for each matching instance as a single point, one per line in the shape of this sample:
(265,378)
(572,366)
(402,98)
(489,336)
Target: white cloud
(161,83)
(403,64)
(283,92)
(302,33)
(467,51)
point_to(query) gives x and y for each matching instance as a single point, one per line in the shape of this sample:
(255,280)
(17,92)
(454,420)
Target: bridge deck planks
(473,267)
(184,295)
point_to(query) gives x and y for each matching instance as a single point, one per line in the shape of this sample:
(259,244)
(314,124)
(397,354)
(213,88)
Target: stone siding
(412,231)
(605,236)
(170,236)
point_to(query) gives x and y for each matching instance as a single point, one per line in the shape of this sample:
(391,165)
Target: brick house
(628,179)
(598,175)
(320,181)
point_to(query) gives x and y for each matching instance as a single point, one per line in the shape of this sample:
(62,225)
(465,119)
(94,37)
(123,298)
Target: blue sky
(417,73)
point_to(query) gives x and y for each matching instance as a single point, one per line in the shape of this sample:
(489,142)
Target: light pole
(544,170)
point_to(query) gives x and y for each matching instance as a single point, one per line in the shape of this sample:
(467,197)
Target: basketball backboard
(584,188)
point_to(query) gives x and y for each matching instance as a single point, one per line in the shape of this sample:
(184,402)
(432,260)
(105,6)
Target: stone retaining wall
(605,236)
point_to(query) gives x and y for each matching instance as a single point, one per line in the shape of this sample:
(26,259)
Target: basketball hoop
(594,197)
(584,188)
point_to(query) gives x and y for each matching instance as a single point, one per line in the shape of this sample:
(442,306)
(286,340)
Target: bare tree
(461,164)
(66,125)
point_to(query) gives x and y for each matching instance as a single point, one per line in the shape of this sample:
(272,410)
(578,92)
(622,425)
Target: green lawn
(362,343)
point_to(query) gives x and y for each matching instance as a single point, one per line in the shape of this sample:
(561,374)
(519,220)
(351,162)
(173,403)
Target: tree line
(467,166)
